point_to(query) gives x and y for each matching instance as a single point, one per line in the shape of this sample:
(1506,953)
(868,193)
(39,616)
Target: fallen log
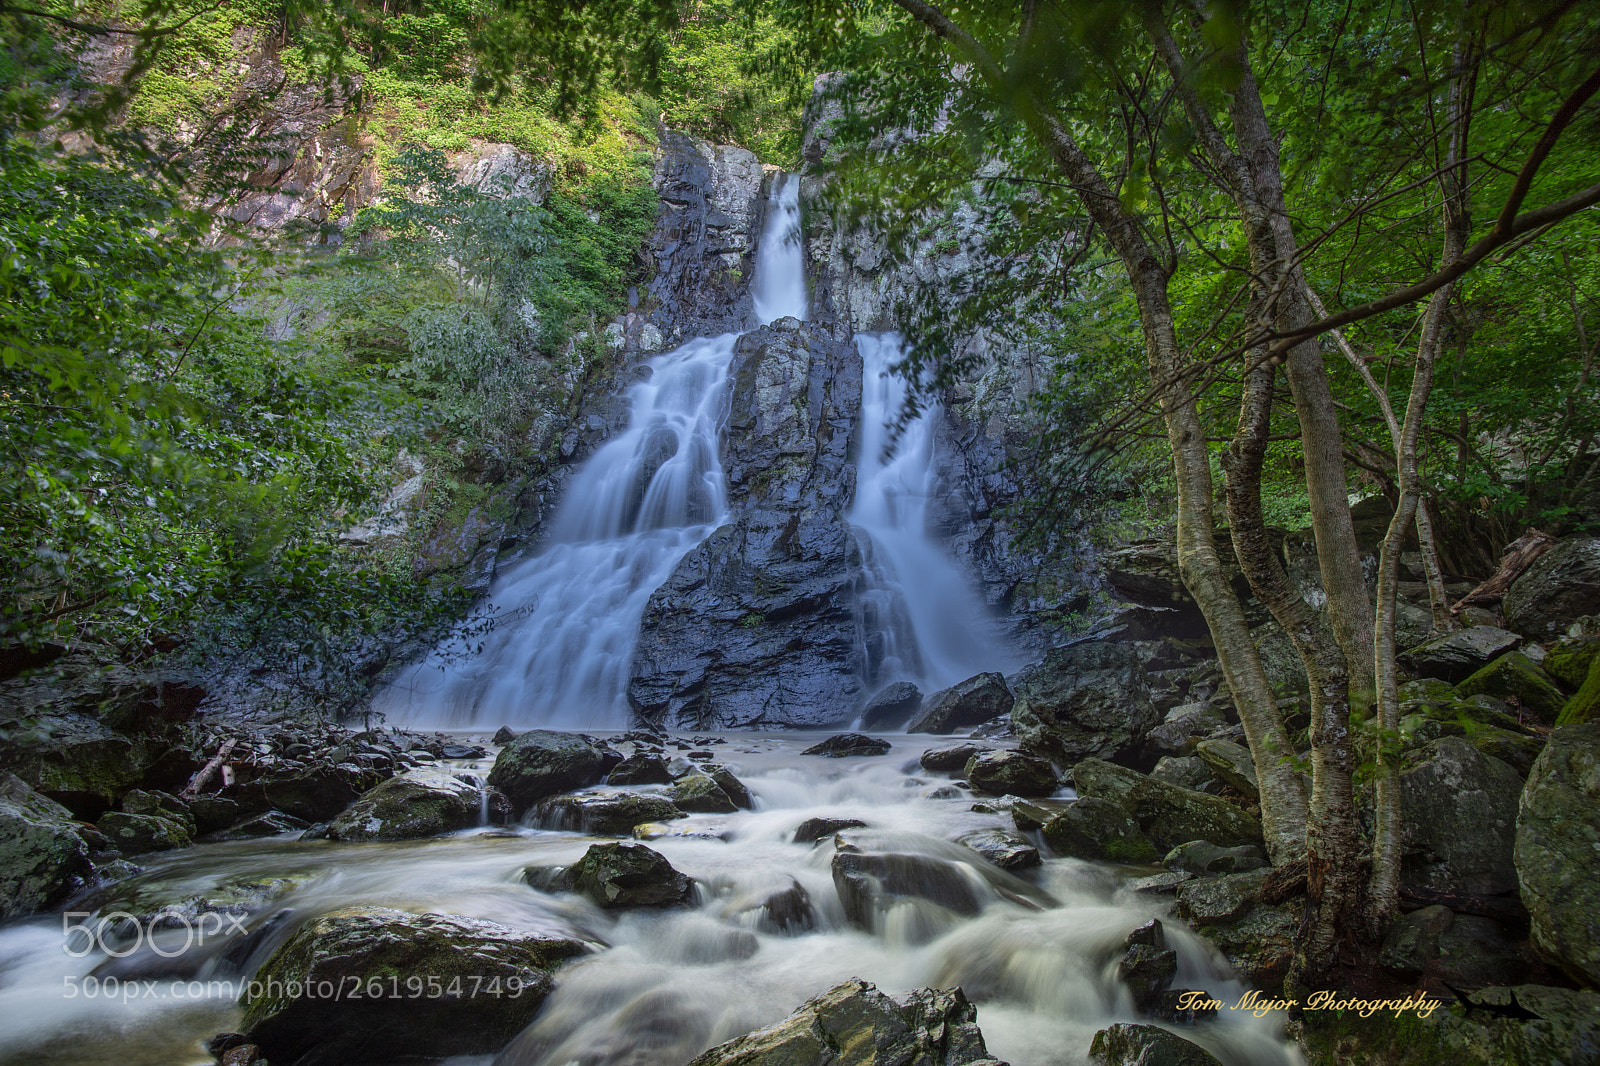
(198,781)
(1519,555)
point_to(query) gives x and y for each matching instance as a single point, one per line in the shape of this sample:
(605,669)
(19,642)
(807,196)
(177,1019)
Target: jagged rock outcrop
(757,624)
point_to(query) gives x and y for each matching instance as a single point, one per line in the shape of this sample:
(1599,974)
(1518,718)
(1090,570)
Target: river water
(1038,958)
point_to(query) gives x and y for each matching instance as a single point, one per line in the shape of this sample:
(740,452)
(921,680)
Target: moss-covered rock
(619,875)
(853,1024)
(1568,659)
(1585,705)
(1167,814)
(419,803)
(1099,830)
(699,793)
(1231,764)
(43,856)
(1010,773)
(1453,657)
(429,986)
(1259,943)
(1558,851)
(1515,677)
(73,759)
(541,763)
(1136,1044)
(1524,1025)
(608,812)
(134,834)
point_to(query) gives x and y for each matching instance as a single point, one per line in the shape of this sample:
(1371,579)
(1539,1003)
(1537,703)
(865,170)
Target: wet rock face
(756,626)
(1558,851)
(419,803)
(43,857)
(1098,829)
(711,214)
(1085,700)
(1013,773)
(972,702)
(542,762)
(363,945)
(892,707)
(853,1024)
(1561,586)
(1461,820)
(1169,815)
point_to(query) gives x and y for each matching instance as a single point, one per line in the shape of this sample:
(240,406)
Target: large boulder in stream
(1560,587)
(848,745)
(976,700)
(1010,773)
(1136,1044)
(891,706)
(43,856)
(1167,814)
(477,984)
(1099,830)
(1558,851)
(620,875)
(542,762)
(606,812)
(1086,700)
(853,1024)
(418,803)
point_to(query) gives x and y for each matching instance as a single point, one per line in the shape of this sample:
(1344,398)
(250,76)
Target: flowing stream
(921,620)
(567,620)
(1038,957)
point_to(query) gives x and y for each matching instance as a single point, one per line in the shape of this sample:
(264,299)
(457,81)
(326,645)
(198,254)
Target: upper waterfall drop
(567,619)
(779,288)
(921,619)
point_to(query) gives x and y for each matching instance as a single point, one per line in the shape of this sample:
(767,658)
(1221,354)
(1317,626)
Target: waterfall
(920,619)
(567,620)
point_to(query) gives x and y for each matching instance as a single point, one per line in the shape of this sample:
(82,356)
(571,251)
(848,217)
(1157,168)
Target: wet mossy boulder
(135,834)
(73,759)
(853,1024)
(312,793)
(1085,700)
(699,793)
(542,762)
(622,875)
(1006,850)
(1231,764)
(418,803)
(814,829)
(1167,814)
(870,881)
(1461,815)
(1560,587)
(1137,1044)
(1098,830)
(1010,773)
(849,745)
(607,812)
(1515,677)
(640,768)
(1558,851)
(1258,942)
(892,706)
(431,985)
(974,701)
(955,759)
(43,855)
(1455,656)
(1568,660)
(1585,704)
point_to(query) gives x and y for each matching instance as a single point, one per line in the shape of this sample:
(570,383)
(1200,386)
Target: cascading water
(920,618)
(567,620)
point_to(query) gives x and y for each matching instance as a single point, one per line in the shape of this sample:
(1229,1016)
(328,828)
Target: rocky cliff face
(757,625)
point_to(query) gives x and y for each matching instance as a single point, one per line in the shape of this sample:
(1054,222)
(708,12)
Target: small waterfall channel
(567,620)
(1036,950)
(920,619)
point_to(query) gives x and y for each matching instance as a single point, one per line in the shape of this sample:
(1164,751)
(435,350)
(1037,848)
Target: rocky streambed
(649,898)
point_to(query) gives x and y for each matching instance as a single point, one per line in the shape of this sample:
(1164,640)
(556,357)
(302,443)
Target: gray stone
(972,702)
(1558,851)
(290,1022)
(1209,900)
(892,707)
(1203,857)
(699,793)
(619,875)
(1168,815)
(1453,657)
(1186,771)
(868,882)
(1461,815)
(265,824)
(419,803)
(853,1024)
(135,834)
(1412,941)
(541,763)
(1098,830)
(1560,587)
(1006,850)
(814,829)
(948,759)
(1477,951)
(1232,764)
(605,812)
(1184,727)
(1014,773)
(1085,700)
(1259,943)
(43,856)
(1134,1044)
(847,745)
(640,768)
